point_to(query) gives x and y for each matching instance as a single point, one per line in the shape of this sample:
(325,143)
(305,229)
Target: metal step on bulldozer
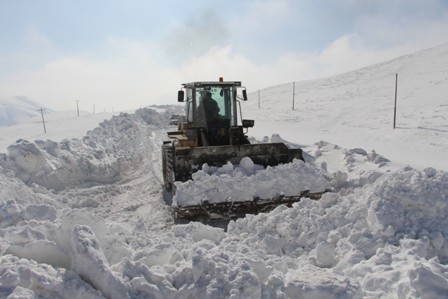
(213,132)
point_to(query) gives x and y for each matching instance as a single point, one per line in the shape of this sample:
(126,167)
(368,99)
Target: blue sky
(128,54)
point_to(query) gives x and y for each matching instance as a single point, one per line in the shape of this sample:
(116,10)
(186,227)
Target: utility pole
(93,108)
(293,93)
(43,120)
(77,107)
(395,105)
(258,99)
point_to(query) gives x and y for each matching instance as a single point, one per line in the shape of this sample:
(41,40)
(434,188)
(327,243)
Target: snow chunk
(412,202)
(198,231)
(22,278)
(325,255)
(427,283)
(40,212)
(90,262)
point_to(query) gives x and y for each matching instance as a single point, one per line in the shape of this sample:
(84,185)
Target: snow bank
(246,180)
(101,157)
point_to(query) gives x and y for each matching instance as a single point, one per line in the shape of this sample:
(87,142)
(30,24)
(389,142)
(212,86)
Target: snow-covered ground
(84,216)
(356,109)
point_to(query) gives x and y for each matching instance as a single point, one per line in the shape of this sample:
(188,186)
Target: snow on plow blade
(190,160)
(232,191)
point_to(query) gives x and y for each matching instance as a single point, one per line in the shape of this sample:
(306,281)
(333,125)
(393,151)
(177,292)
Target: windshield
(217,102)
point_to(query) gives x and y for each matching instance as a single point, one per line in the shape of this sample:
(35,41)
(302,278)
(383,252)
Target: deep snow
(85,217)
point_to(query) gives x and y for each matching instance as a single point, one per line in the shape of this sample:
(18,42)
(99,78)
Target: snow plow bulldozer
(213,132)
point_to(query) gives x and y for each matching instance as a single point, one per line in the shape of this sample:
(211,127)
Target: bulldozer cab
(211,111)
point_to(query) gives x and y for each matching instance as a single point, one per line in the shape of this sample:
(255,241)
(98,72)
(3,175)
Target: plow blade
(239,209)
(189,160)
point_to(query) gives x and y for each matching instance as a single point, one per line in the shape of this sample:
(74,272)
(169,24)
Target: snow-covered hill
(17,109)
(86,217)
(356,109)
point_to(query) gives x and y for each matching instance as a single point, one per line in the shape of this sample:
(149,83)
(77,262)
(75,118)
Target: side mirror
(244,95)
(248,123)
(180,96)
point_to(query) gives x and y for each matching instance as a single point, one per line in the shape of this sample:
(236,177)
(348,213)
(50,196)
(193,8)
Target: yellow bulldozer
(213,132)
